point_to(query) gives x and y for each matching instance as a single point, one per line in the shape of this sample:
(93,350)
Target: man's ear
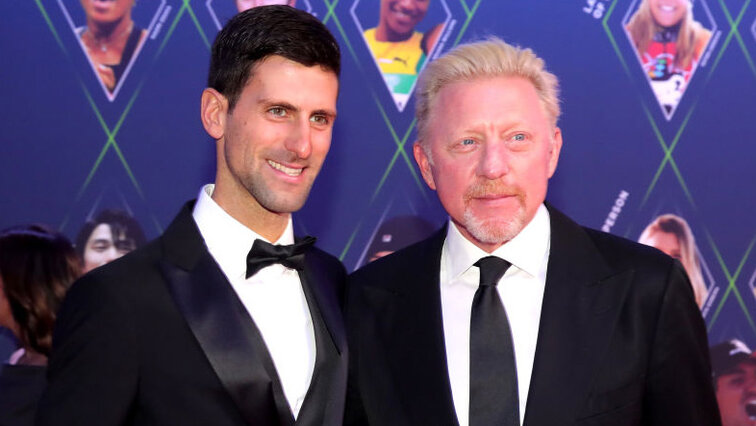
(424,163)
(556,148)
(214,107)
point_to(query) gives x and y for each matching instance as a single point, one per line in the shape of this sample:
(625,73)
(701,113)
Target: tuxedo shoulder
(395,267)
(623,253)
(127,274)
(327,259)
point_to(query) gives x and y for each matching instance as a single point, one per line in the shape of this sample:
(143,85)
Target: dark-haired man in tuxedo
(512,314)
(224,319)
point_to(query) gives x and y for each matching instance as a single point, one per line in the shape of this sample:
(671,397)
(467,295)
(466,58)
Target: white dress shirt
(520,289)
(273,296)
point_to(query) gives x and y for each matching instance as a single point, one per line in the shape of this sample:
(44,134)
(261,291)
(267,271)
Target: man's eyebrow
(287,105)
(327,112)
(282,104)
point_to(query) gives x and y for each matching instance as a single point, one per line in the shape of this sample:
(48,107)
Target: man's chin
(281,203)
(493,230)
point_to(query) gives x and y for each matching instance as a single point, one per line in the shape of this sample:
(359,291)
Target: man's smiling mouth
(287,170)
(750,408)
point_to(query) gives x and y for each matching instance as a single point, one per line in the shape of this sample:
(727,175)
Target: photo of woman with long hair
(669,43)
(672,235)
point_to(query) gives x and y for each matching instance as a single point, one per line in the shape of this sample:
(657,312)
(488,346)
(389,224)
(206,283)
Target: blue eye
(519,137)
(320,119)
(278,111)
(467,141)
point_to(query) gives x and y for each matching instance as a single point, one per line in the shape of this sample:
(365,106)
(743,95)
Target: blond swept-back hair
(677,226)
(484,59)
(692,37)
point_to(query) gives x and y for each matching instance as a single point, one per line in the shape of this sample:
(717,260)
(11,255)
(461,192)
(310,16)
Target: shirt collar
(526,250)
(227,239)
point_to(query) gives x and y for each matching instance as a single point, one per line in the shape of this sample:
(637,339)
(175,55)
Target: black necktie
(493,376)
(263,254)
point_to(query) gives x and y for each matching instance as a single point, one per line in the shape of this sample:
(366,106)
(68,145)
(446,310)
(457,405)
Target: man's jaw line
(488,247)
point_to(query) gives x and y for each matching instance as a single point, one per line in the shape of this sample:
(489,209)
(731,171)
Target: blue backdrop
(70,147)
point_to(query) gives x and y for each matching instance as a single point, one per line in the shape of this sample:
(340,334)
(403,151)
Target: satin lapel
(324,402)
(580,308)
(415,341)
(221,325)
(324,285)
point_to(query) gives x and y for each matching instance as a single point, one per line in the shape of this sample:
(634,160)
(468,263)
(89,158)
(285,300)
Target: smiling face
(399,18)
(668,13)
(736,395)
(273,144)
(493,150)
(107,11)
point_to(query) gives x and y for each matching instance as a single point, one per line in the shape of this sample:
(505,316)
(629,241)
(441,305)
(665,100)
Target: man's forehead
(454,100)
(744,367)
(278,58)
(280,80)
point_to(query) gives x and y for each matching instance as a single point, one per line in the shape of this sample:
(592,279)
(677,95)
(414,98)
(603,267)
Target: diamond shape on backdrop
(670,39)
(112,34)
(671,233)
(753,30)
(402,37)
(223,10)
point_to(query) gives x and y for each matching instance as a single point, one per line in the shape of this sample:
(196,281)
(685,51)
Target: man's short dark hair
(119,222)
(253,35)
(726,358)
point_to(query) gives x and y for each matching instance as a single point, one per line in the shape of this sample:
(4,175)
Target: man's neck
(250,213)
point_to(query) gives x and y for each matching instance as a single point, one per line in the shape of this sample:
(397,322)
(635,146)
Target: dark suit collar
(412,306)
(320,283)
(181,242)
(227,335)
(580,306)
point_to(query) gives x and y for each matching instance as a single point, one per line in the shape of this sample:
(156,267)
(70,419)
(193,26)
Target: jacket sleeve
(93,371)
(679,388)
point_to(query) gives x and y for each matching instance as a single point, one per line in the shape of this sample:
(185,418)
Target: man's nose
(299,139)
(112,254)
(494,160)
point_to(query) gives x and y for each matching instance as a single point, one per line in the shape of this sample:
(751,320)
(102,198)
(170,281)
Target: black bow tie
(264,254)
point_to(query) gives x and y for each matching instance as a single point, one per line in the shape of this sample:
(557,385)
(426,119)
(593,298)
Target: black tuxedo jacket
(621,340)
(159,337)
